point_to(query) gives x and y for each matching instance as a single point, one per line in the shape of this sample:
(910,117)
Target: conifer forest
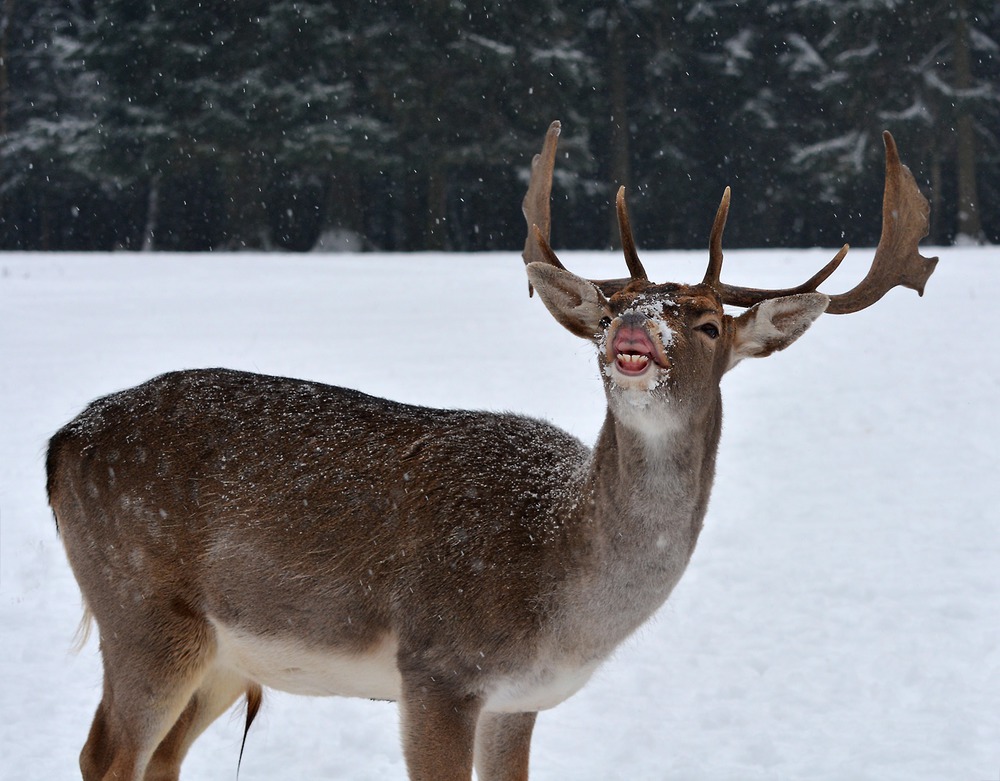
(401,126)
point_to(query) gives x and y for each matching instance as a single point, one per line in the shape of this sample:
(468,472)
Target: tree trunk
(621,172)
(6,20)
(937,180)
(152,214)
(970,228)
(437,207)
(246,212)
(344,204)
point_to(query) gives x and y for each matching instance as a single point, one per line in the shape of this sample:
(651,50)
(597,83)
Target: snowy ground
(841,616)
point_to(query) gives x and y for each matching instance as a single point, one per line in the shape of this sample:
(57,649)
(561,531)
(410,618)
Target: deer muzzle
(634,349)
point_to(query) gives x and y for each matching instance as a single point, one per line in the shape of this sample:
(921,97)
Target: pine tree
(928,76)
(258,124)
(49,198)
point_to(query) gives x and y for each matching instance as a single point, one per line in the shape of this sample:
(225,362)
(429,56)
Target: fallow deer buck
(232,531)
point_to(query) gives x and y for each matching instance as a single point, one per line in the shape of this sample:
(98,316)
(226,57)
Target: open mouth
(634,352)
(632,363)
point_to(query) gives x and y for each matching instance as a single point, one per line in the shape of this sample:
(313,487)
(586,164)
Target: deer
(232,532)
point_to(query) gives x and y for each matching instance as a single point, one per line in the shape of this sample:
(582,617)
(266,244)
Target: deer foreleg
(503,742)
(439,731)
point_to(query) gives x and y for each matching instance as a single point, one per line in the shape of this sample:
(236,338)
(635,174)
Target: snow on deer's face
(662,343)
(665,347)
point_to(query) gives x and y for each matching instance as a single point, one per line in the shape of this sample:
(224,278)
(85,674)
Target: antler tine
(547,254)
(905,221)
(897,261)
(748,296)
(535,205)
(714,270)
(628,242)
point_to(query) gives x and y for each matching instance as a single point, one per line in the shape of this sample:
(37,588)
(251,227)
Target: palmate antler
(897,259)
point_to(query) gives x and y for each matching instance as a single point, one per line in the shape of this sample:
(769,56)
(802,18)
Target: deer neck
(650,491)
(652,482)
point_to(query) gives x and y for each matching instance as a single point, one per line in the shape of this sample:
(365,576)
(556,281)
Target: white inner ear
(580,302)
(572,300)
(774,324)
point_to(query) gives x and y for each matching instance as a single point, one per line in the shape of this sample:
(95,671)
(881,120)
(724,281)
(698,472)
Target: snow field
(840,618)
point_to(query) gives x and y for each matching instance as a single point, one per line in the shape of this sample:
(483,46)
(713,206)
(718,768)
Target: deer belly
(543,687)
(291,666)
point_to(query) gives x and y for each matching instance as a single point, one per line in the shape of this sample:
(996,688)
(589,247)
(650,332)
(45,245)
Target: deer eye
(604,322)
(710,329)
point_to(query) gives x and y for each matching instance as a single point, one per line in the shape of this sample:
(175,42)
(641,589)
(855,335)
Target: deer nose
(633,320)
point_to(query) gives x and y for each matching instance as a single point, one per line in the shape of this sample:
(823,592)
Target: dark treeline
(224,124)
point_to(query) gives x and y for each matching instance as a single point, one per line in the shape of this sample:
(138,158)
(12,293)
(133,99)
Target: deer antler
(628,243)
(535,205)
(748,296)
(905,221)
(897,260)
(537,214)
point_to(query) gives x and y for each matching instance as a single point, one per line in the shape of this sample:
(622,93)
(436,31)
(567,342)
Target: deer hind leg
(439,731)
(216,694)
(124,736)
(152,669)
(503,742)
(97,751)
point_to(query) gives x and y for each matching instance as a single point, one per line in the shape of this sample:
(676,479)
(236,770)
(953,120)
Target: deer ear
(774,324)
(575,302)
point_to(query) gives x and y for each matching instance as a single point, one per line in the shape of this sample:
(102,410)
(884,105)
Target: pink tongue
(633,340)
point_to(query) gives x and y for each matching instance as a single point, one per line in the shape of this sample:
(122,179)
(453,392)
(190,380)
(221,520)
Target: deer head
(674,340)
